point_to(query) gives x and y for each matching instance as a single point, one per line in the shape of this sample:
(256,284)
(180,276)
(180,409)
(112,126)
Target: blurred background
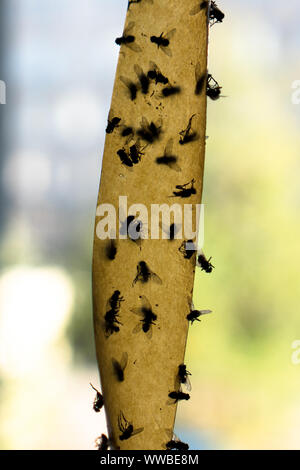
(58,59)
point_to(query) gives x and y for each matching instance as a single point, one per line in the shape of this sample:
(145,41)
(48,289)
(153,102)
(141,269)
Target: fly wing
(146,302)
(170,34)
(204,312)
(174,166)
(134,47)
(137,431)
(188,384)
(169,147)
(144,123)
(129,28)
(155,278)
(137,328)
(153,66)
(138,70)
(149,333)
(124,360)
(167,51)
(115,363)
(137,311)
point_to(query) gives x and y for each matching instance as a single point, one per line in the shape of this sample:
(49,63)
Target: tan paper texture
(152,364)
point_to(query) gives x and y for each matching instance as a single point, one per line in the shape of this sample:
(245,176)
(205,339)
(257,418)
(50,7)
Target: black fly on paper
(136,152)
(127,131)
(188,135)
(119,367)
(128,39)
(131,87)
(163,41)
(170,90)
(132,228)
(143,79)
(126,428)
(168,158)
(111,249)
(155,74)
(125,157)
(150,132)
(200,79)
(144,274)
(148,317)
(98,401)
(112,122)
(185,190)
(111,317)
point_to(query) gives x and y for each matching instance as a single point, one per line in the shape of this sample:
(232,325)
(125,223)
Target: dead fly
(215,14)
(199,7)
(111,316)
(102,443)
(125,157)
(185,190)
(127,131)
(112,123)
(200,78)
(119,367)
(111,249)
(149,132)
(144,274)
(98,401)
(188,249)
(170,91)
(194,315)
(163,42)
(171,231)
(187,135)
(128,39)
(126,428)
(213,90)
(136,152)
(143,79)
(168,158)
(183,376)
(148,317)
(131,86)
(205,264)
(131,228)
(155,74)
(178,396)
(175,443)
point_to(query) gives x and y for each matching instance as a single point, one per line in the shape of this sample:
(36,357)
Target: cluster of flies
(131,155)
(149,132)
(126,427)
